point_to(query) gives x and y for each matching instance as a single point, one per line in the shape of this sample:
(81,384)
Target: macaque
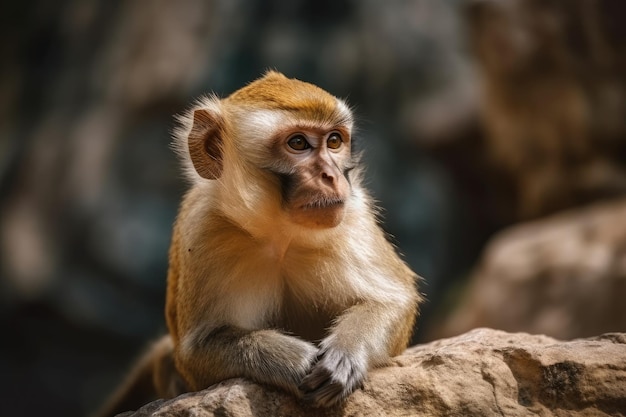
(279,271)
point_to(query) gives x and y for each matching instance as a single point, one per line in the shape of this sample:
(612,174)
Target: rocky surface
(557,156)
(564,276)
(481,373)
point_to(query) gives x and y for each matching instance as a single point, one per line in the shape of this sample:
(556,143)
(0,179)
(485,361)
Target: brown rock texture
(554,84)
(484,372)
(564,276)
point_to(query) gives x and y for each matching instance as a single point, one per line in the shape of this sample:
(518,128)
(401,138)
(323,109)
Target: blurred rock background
(479,119)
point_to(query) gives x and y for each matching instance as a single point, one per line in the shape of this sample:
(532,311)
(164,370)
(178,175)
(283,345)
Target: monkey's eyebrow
(317,128)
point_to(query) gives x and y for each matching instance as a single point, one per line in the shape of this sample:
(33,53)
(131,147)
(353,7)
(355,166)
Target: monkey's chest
(304,318)
(302,322)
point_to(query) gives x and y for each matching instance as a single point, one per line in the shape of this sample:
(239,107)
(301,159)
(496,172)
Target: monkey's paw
(298,355)
(334,376)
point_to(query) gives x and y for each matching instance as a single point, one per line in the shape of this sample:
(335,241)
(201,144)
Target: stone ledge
(483,372)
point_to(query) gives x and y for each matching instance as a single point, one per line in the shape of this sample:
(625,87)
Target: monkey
(279,271)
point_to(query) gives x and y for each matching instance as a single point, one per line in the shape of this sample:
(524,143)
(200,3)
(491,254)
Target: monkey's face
(278,147)
(315,188)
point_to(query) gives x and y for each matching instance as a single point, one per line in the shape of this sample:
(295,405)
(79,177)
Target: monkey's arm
(374,327)
(265,356)
(365,336)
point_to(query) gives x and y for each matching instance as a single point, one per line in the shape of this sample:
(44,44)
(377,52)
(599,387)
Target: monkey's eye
(334,141)
(298,142)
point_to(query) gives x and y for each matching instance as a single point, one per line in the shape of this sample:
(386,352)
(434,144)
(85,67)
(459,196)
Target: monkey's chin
(314,217)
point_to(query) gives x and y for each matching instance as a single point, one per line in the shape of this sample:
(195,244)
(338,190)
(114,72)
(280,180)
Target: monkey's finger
(321,389)
(318,377)
(328,394)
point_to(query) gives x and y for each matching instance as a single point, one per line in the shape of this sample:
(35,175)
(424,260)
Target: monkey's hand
(287,364)
(335,375)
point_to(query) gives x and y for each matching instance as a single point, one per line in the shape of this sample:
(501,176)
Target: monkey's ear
(205,142)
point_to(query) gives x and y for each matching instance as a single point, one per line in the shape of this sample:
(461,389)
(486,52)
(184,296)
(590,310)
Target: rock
(481,373)
(564,276)
(530,56)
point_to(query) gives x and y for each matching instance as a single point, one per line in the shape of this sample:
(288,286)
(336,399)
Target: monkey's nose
(330,179)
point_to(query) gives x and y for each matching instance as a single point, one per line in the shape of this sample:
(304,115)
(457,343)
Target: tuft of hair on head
(275,91)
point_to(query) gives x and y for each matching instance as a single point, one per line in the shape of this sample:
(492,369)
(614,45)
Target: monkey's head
(277,147)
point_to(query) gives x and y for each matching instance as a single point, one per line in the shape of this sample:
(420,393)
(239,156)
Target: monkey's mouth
(323,203)
(318,211)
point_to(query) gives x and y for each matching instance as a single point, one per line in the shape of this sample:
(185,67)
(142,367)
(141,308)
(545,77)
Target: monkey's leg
(265,356)
(153,376)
